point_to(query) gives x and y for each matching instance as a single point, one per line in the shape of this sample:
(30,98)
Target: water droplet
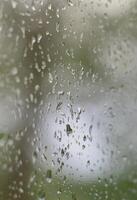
(34,157)
(84,138)
(47,33)
(14,4)
(78,114)
(49,176)
(49,6)
(42,196)
(57,27)
(60,93)
(71,110)
(48,58)
(39,37)
(50,78)
(124,158)
(14,71)
(57,13)
(68,129)
(90,129)
(70,3)
(90,133)
(37,87)
(59,106)
(32,42)
(59,191)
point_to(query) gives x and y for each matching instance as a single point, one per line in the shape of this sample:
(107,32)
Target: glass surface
(68,100)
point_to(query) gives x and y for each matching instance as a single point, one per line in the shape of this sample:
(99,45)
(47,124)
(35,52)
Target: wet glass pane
(68,99)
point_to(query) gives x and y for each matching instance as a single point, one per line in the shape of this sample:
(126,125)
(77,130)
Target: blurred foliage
(123,188)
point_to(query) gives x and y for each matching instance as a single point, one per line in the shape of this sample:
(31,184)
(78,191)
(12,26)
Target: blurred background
(68,99)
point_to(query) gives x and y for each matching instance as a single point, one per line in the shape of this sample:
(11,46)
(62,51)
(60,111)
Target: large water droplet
(50,78)
(68,129)
(90,133)
(70,3)
(49,176)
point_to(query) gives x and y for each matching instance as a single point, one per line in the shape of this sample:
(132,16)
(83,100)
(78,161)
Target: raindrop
(59,191)
(48,58)
(14,4)
(50,78)
(60,93)
(90,129)
(71,110)
(59,106)
(39,37)
(49,6)
(33,40)
(57,27)
(34,157)
(68,129)
(70,3)
(14,71)
(124,158)
(49,176)
(57,13)
(90,133)
(47,33)
(78,115)
(37,87)
(62,152)
(88,162)
(41,196)
(84,138)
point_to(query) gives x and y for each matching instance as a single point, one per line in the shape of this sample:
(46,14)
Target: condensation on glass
(68,99)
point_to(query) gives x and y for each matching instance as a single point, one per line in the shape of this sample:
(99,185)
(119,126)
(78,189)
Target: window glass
(68,99)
